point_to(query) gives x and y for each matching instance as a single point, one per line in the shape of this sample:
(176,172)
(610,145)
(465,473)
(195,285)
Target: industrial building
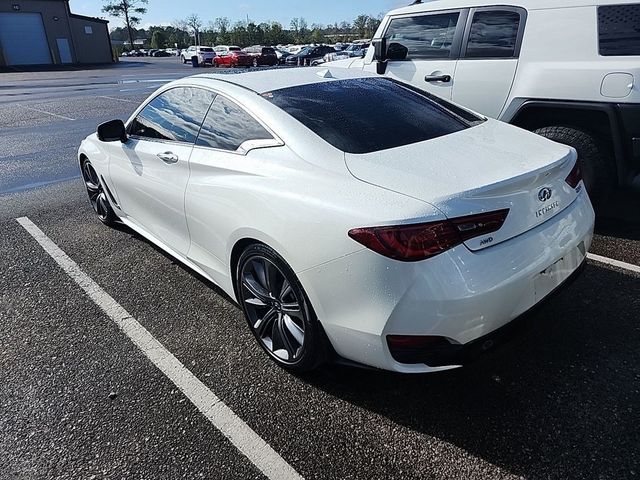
(45,32)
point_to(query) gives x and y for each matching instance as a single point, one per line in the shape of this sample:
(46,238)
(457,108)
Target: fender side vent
(111,197)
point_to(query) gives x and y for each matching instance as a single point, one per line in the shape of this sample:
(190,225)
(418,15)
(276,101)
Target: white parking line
(270,463)
(48,113)
(116,98)
(615,263)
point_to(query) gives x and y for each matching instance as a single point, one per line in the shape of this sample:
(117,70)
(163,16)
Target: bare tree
(128,11)
(194,24)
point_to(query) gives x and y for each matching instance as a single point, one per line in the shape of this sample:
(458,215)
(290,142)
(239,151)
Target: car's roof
(270,80)
(527,4)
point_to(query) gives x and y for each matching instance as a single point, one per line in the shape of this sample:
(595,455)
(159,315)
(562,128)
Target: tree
(221,27)
(360,25)
(194,24)
(299,29)
(158,39)
(127,10)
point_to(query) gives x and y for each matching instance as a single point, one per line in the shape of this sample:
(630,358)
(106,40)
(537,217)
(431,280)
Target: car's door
(151,172)
(433,42)
(489,58)
(227,159)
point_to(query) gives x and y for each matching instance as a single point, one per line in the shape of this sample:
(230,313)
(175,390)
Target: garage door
(23,40)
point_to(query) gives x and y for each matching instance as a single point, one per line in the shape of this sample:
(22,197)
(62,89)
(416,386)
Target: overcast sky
(163,12)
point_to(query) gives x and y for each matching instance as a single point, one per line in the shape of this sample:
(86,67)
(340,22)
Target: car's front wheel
(97,195)
(278,311)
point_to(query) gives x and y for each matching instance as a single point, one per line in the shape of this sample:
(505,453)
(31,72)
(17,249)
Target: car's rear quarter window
(619,29)
(367,114)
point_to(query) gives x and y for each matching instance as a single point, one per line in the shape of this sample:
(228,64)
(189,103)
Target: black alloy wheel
(97,195)
(278,311)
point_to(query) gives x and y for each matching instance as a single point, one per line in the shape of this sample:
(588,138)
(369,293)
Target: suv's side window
(227,126)
(175,115)
(425,36)
(493,34)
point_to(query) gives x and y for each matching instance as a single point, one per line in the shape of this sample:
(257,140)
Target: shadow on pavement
(619,217)
(560,401)
(72,67)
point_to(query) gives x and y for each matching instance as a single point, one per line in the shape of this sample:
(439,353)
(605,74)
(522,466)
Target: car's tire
(97,196)
(596,164)
(278,311)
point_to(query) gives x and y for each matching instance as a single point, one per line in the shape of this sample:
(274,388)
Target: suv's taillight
(411,243)
(574,176)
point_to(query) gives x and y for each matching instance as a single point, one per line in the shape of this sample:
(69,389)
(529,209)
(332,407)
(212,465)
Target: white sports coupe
(352,217)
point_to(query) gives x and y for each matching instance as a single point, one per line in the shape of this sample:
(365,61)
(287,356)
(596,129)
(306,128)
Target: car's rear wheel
(278,311)
(97,195)
(596,166)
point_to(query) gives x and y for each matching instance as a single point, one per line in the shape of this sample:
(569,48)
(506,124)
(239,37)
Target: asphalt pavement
(79,400)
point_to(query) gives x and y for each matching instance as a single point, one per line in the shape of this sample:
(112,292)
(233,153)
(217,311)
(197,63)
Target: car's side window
(227,126)
(425,36)
(493,34)
(175,115)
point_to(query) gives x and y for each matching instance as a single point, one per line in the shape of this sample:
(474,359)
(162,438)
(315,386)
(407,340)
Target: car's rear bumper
(459,295)
(243,62)
(457,354)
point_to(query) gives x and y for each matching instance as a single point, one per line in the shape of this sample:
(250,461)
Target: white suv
(566,69)
(203,54)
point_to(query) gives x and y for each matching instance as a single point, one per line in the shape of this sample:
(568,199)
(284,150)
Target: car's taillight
(411,243)
(574,176)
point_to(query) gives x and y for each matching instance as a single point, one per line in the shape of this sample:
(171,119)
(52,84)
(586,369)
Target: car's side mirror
(112,131)
(397,51)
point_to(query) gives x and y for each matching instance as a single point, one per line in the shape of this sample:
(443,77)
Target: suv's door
(489,58)
(433,41)
(150,174)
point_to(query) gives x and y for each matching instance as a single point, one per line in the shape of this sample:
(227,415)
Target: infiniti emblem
(544,194)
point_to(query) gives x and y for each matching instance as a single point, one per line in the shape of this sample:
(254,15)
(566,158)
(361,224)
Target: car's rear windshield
(366,115)
(206,49)
(619,29)
(235,49)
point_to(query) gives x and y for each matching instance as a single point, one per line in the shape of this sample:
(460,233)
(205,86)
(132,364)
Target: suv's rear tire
(597,167)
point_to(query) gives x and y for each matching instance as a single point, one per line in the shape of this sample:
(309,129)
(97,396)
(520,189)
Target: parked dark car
(161,53)
(262,55)
(282,55)
(308,54)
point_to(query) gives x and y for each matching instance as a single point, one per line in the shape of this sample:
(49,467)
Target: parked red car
(262,55)
(231,57)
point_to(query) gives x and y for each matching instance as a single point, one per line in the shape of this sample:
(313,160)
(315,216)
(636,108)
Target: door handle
(168,157)
(437,78)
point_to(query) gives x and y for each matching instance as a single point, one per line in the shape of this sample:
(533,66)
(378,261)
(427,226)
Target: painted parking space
(348,423)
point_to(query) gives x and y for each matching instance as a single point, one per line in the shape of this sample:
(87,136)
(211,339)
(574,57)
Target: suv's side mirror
(112,131)
(397,51)
(379,49)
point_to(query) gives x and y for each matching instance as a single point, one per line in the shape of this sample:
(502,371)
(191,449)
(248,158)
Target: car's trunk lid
(486,168)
